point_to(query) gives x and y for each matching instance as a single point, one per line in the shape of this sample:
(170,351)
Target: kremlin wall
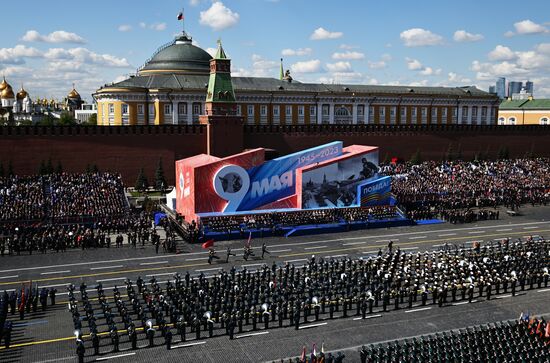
(127,149)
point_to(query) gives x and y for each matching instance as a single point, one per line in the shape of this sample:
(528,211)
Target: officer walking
(264,250)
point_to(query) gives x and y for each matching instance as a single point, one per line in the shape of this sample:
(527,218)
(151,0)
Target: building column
(366,113)
(354,111)
(479,114)
(459,114)
(319,113)
(175,119)
(331,113)
(189,113)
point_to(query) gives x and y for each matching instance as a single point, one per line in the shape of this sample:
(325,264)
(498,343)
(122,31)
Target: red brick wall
(121,149)
(126,149)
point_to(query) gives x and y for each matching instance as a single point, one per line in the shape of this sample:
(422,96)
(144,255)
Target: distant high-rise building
(501,87)
(529,87)
(492,89)
(514,87)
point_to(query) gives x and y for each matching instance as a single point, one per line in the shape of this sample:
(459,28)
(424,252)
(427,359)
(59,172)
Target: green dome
(180,56)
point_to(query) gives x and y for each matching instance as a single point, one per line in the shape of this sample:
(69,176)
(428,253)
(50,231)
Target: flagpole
(183,20)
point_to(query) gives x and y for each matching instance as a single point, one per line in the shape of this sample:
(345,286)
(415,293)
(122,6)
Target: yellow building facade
(524,112)
(170,88)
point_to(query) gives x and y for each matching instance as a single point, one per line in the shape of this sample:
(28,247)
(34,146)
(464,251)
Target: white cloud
(296,52)
(386,57)
(58,36)
(143,25)
(339,67)
(501,53)
(218,17)
(86,56)
(429,71)
(377,65)
(345,77)
(211,51)
(311,66)
(194,2)
(16,70)
(348,55)
(464,36)
(124,28)
(418,37)
(529,27)
(457,78)
(158,26)
(322,34)
(509,34)
(348,46)
(17,54)
(120,78)
(413,64)
(490,71)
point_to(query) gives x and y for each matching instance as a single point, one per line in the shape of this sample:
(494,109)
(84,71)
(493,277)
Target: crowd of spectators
(457,189)
(277,220)
(61,197)
(96,195)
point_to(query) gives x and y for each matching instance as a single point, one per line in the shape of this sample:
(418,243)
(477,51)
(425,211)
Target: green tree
(59,168)
(416,158)
(10,169)
(42,168)
(160,180)
(66,119)
(141,182)
(92,120)
(49,166)
(47,120)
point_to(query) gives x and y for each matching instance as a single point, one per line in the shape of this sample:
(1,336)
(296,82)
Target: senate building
(171,88)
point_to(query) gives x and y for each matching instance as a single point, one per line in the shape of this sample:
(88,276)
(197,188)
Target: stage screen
(375,192)
(335,184)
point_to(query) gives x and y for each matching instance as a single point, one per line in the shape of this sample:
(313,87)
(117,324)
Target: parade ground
(48,336)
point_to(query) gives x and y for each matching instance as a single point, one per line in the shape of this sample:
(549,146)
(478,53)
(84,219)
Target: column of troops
(234,302)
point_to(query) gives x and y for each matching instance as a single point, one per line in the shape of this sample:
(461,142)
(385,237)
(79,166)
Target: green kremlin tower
(224,127)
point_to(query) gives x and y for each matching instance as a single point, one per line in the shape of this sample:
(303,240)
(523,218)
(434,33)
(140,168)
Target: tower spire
(281,72)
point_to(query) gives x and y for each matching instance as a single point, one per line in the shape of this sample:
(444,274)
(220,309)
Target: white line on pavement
(115,279)
(106,267)
(188,345)
(9,277)
(54,360)
(418,237)
(477,232)
(504,296)
(545,290)
(152,263)
(336,256)
(369,252)
(312,326)
(50,286)
(354,243)
(277,251)
(252,264)
(369,317)
(55,272)
(163,274)
(298,260)
(446,234)
(415,310)
(196,259)
(251,334)
(533,227)
(209,269)
(313,248)
(505,230)
(409,248)
(116,356)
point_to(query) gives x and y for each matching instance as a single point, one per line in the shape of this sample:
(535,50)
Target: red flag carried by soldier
(206,245)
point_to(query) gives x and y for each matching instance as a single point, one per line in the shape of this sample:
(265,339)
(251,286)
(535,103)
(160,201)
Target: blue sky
(425,42)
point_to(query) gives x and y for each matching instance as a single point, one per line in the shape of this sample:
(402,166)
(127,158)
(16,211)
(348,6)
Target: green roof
(539,104)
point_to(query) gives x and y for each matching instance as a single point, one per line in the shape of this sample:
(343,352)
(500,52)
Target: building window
(413,112)
(288,111)
(403,112)
(263,110)
(544,121)
(444,112)
(484,112)
(360,110)
(511,120)
(182,109)
(474,111)
(464,113)
(276,111)
(111,108)
(103,112)
(197,109)
(371,112)
(501,121)
(250,110)
(434,112)
(326,110)
(455,112)
(140,109)
(151,111)
(424,111)
(312,110)
(124,109)
(382,111)
(301,111)
(167,109)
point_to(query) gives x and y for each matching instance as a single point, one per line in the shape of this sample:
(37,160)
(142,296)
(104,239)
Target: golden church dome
(22,94)
(73,94)
(7,93)
(3,85)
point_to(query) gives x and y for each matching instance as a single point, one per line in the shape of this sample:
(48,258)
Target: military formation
(288,296)
(526,340)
